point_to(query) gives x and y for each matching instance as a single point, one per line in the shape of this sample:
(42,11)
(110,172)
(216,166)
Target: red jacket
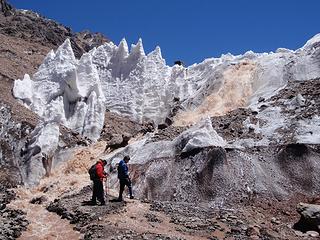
(100,170)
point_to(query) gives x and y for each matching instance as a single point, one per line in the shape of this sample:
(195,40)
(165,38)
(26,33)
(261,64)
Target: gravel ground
(12,222)
(134,219)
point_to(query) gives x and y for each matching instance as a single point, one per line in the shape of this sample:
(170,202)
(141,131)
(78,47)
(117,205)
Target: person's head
(126,159)
(104,162)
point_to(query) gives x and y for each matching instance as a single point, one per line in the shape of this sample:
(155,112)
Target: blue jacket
(123,170)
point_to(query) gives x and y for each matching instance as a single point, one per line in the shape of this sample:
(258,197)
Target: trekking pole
(106,188)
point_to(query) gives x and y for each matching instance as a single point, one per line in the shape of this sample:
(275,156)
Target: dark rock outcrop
(118,130)
(6,9)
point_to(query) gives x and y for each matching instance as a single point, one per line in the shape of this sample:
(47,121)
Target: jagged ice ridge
(142,87)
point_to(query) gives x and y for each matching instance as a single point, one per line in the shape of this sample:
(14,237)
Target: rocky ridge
(31,27)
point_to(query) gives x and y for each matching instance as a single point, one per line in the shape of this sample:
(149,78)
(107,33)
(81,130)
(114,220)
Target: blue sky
(190,30)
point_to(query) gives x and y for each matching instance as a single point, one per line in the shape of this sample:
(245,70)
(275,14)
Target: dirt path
(43,224)
(67,178)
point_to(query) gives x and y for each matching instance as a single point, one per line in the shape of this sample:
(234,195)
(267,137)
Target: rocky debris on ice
(160,170)
(187,219)
(90,220)
(75,208)
(290,116)
(198,136)
(167,134)
(240,123)
(118,141)
(299,115)
(6,196)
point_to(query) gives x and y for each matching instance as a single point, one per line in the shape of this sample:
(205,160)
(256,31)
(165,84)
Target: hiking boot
(93,203)
(131,197)
(102,204)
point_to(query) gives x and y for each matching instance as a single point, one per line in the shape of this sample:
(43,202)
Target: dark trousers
(98,192)
(125,182)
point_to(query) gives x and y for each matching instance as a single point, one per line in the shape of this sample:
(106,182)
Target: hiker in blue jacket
(123,175)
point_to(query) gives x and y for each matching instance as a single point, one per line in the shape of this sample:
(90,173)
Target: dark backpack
(93,172)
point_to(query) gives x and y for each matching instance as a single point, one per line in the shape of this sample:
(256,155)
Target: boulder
(199,136)
(38,200)
(312,234)
(115,141)
(310,212)
(309,217)
(119,140)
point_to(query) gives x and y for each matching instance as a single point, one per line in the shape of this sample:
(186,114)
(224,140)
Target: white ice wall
(142,87)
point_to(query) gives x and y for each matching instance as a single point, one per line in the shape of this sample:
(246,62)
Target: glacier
(143,87)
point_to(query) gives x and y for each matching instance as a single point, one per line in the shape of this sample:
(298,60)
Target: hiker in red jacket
(97,178)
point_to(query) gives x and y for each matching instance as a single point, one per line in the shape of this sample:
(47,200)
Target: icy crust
(142,87)
(170,170)
(290,117)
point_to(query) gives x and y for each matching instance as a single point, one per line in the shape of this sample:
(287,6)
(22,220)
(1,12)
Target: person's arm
(126,170)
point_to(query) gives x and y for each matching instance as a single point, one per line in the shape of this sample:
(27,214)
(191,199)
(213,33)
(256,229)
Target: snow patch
(315,40)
